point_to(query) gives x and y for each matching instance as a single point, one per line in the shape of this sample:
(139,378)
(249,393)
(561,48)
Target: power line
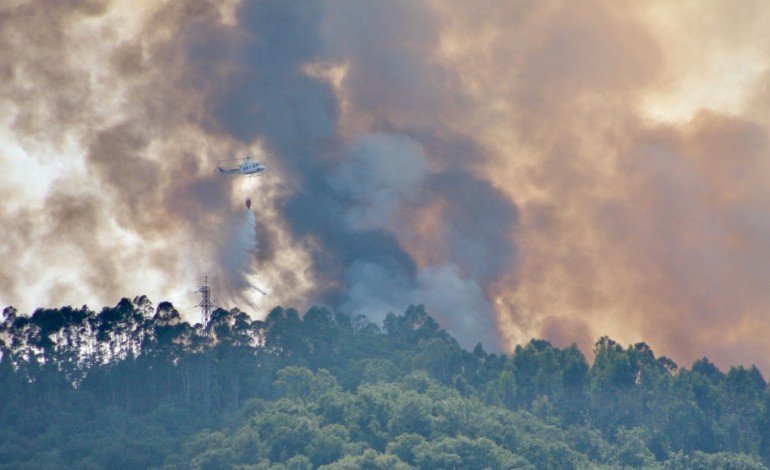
(205,304)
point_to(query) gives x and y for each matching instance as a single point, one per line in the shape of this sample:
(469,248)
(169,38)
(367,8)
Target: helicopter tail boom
(227,172)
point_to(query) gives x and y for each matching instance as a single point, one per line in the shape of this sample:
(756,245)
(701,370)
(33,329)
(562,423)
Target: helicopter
(247,168)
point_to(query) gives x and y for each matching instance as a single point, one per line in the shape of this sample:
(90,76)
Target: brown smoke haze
(553,169)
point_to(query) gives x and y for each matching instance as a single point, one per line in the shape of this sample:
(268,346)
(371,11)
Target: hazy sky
(553,169)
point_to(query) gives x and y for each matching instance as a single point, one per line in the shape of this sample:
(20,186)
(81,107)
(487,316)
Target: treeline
(134,386)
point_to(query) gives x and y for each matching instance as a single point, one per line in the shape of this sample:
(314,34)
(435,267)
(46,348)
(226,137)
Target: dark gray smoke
(357,198)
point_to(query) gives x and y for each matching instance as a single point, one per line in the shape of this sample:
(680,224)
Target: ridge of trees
(135,386)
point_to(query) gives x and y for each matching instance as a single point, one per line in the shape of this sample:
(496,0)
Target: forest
(135,386)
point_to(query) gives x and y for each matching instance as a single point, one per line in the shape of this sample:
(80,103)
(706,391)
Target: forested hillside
(133,386)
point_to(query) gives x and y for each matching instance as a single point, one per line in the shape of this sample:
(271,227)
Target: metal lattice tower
(205,304)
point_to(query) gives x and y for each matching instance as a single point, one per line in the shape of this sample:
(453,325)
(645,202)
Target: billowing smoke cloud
(524,169)
(636,156)
(379,173)
(112,191)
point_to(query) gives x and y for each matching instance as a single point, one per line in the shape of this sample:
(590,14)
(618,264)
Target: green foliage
(134,386)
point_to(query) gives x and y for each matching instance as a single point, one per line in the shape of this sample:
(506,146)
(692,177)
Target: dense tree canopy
(134,386)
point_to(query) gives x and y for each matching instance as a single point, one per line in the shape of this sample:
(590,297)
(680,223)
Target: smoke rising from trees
(524,169)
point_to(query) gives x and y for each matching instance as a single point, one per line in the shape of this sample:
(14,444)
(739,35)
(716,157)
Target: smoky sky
(524,169)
